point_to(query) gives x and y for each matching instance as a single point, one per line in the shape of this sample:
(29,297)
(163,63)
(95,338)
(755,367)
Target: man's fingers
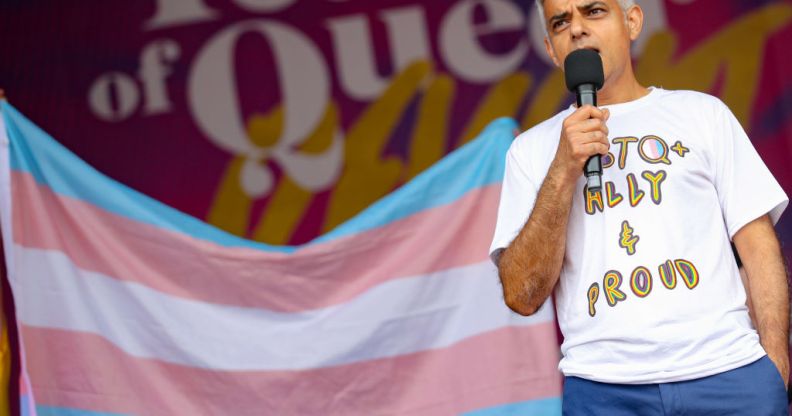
(596,148)
(596,136)
(590,149)
(586,150)
(584,134)
(591,124)
(588,111)
(586,130)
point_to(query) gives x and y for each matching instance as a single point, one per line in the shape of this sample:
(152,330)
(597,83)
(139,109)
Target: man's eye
(596,11)
(558,23)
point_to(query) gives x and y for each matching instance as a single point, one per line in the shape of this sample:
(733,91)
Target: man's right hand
(583,134)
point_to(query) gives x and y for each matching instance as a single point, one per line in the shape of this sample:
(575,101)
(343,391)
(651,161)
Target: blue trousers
(755,389)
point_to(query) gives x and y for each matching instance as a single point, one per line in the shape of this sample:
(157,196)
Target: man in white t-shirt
(648,294)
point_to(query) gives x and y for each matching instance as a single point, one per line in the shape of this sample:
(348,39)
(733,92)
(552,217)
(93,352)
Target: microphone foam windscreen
(583,66)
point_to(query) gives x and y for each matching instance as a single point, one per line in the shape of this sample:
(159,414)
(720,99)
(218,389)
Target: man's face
(591,24)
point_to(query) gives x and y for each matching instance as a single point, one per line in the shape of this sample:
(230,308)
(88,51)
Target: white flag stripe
(398,317)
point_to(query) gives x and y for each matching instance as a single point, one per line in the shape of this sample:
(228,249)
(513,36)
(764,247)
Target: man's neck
(622,90)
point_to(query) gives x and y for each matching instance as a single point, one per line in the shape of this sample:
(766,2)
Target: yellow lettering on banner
(367,176)
(286,208)
(321,137)
(428,142)
(736,52)
(502,100)
(289,201)
(230,210)
(265,129)
(731,59)
(552,92)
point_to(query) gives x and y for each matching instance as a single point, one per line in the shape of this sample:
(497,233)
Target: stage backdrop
(277,120)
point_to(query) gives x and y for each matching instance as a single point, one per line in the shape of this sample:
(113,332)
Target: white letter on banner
(179,12)
(153,70)
(654,21)
(305,89)
(355,55)
(264,5)
(100,96)
(460,46)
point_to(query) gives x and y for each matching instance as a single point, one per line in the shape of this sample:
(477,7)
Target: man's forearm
(530,266)
(768,288)
(770,300)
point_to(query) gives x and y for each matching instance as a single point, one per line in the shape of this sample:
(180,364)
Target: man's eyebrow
(588,6)
(583,8)
(560,16)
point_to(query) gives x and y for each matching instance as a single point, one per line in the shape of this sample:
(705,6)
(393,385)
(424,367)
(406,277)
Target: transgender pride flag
(126,306)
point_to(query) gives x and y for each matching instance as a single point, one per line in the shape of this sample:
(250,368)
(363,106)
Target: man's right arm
(530,266)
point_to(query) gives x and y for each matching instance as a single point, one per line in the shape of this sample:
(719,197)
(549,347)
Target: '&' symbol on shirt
(627,238)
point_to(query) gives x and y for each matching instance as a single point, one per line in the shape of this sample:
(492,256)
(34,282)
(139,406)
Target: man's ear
(635,19)
(551,52)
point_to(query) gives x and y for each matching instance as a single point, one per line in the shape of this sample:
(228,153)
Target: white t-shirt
(649,290)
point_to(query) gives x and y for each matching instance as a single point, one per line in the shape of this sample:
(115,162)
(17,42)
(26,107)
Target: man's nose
(577,27)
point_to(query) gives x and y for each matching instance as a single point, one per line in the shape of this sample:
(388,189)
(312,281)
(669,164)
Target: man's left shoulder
(692,99)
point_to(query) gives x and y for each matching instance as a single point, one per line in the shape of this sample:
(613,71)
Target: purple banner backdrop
(279,119)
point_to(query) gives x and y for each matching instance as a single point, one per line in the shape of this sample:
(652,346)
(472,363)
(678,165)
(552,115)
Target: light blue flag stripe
(543,407)
(66,411)
(478,163)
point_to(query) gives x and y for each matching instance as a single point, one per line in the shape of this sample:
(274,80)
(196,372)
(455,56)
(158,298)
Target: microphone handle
(587,94)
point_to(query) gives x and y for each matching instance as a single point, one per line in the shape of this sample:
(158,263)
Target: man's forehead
(553,7)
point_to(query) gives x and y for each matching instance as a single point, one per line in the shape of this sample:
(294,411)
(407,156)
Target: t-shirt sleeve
(518,195)
(746,188)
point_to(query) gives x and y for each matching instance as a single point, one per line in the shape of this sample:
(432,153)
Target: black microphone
(584,76)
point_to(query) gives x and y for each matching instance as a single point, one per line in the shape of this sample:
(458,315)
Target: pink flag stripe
(396,318)
(318,276)
(490,369)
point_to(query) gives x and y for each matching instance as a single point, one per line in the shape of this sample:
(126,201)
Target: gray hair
(625,5)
